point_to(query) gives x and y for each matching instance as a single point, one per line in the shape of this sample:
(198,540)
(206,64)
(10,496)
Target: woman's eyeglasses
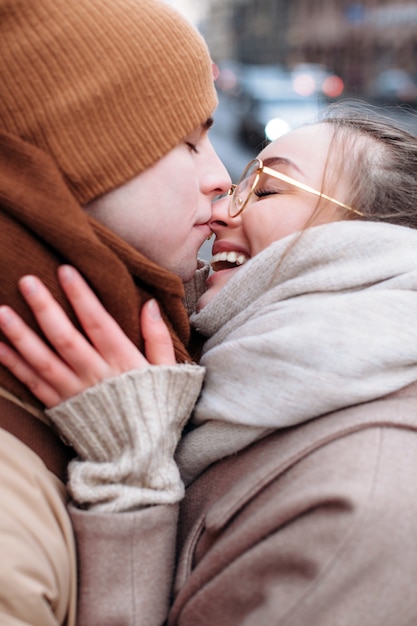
(242,192)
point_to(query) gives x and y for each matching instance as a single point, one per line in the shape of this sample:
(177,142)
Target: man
(105,164)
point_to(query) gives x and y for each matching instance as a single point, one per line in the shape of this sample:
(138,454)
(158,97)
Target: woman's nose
(220,215)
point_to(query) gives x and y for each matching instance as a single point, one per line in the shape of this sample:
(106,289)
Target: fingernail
(153,309)
(66,274)
(5,316)
(28,285)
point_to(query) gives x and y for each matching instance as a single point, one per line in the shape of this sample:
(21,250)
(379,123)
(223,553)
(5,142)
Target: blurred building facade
(356,39)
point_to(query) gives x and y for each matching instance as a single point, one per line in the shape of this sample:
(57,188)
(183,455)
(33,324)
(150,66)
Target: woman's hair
(379,158)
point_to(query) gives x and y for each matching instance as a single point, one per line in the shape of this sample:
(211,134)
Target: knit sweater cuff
(125,431)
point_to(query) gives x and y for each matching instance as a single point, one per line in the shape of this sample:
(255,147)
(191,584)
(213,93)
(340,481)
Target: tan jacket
(312,526)
(37,571)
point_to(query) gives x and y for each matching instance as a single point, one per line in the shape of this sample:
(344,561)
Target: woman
(300,458)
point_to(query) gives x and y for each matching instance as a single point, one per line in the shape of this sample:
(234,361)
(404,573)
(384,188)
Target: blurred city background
(279,62)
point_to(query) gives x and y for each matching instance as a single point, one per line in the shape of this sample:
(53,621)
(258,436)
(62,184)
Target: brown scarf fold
(42,226)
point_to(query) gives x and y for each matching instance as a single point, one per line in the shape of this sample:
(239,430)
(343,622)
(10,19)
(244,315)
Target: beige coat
(38,572)
(312,526)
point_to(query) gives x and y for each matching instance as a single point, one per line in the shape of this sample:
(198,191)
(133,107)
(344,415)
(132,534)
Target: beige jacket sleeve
(37,573)
(126,565)
(125,431)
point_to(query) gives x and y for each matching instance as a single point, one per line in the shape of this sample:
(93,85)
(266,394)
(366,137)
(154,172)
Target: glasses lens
(244,188)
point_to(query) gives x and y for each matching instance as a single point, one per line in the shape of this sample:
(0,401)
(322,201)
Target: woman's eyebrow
(274,161)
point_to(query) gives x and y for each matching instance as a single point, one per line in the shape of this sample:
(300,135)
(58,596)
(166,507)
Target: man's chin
(187,272)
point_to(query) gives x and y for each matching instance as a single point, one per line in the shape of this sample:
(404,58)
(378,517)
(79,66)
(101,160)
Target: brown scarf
(42,226)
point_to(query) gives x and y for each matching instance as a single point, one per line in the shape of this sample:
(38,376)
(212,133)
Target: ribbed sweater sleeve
(125,431)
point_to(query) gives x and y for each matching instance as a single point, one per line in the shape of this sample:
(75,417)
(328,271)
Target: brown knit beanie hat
(106,87)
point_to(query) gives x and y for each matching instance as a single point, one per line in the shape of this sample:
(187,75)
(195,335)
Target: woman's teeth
(227,260)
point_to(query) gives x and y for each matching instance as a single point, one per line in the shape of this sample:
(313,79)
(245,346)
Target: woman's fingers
(111,353)
(76,365)
(159,349)
(23,372)
(68,342)
(101,328)
(35,358)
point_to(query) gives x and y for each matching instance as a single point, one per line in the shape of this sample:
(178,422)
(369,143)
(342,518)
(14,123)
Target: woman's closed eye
(261,193)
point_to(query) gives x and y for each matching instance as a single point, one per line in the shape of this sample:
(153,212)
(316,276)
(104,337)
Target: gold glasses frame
(237,204)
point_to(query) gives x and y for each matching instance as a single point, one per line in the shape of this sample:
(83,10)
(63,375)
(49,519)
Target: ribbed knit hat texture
(106,87)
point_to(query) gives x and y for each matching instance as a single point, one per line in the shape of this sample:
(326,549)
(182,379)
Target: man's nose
(217,181)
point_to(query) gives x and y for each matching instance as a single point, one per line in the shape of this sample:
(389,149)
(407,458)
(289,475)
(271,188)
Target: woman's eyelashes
(261,193)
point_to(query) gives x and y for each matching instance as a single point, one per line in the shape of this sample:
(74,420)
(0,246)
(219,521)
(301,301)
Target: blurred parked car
(317,78)
(271,105)
(394,86)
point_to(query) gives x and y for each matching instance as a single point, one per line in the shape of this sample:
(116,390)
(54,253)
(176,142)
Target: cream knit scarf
(302,330)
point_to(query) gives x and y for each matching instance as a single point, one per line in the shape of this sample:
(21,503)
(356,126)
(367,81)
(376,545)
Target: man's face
(164,212)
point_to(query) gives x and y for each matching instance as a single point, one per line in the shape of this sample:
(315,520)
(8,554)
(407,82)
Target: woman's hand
(53,379)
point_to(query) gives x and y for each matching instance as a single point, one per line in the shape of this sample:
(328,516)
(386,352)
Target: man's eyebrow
(208,123)
(271,161)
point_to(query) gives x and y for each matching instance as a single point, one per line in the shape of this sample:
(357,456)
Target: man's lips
(204,229)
